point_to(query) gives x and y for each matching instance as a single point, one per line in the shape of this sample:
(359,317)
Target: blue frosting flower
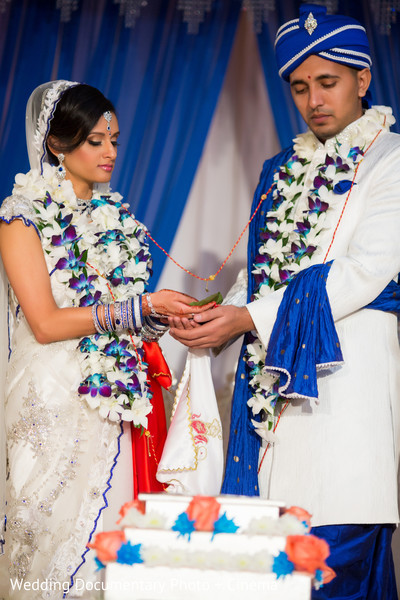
(184,526)
(224,525)
(282,566)
(129,555)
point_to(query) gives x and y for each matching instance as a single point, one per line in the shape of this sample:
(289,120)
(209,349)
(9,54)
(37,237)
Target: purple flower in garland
(129,555)
(74,263)
(282,566)
(320,181)
(141,256)
(302,250)
(317,206)
(261,278)
(303,227)
(285,275)
(268,235)
(117,349)
(90,299)
(354,152)
(82,283)
(129,365)
(133,386)
(95,384)
(116,276)
(67,237)
(341,166)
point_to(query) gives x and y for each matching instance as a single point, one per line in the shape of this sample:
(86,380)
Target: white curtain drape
(241,137)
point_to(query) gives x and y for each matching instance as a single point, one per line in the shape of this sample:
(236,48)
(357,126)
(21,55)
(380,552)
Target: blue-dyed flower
(90,299)
(317,206)
(343,186)
(116,276)
(86,345)
(329,161)
(261,278)
(129,555)
(141,256)
(131,387)
(267,235)
(82,283)
(74,263)
(224,525)
(107,237)
(129,365)
(184,526)
(285,275)
(64,221)
(102,201)
(67,237)
(95,384)
(354,152)
(341,166)
(47,200)
(303,227)
(302,250)
(117,349)
(320,181)
(282,566)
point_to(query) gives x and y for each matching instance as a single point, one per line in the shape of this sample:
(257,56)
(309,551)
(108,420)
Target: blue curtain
(163,81)
(385,51)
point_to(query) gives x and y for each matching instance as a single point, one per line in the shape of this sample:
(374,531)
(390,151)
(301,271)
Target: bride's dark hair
(77,112)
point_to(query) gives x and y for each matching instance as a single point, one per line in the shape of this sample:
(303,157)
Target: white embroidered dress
(62,450)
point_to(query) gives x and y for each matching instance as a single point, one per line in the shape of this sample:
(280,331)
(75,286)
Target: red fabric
(147,445)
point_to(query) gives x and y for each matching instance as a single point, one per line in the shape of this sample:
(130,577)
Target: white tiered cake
(180,548)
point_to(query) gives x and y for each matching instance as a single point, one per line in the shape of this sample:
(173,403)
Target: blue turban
(334,37)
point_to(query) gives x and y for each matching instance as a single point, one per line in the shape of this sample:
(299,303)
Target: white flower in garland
(98,253)
(290,238)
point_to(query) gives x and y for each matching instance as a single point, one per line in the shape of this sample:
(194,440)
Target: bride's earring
(61,172)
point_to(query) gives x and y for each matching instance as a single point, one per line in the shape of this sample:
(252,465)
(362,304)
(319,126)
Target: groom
(316,409)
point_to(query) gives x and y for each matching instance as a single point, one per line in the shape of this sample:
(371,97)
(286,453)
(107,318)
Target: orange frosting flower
(107,545)
(204,510)
(125,508)
(307,552)
(300,514)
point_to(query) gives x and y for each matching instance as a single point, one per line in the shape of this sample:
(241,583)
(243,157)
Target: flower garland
(291,237)
(101,233)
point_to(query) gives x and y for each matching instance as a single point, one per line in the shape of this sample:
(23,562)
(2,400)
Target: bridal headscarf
(39,112)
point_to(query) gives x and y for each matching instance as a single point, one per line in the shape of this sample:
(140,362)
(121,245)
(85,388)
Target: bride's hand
(170,303)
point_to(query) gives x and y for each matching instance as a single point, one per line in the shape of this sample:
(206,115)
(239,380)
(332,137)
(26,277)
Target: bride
(80,328)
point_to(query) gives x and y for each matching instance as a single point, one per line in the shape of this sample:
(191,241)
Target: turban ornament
(337,38)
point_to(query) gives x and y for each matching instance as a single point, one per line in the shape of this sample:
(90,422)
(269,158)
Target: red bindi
(308,77)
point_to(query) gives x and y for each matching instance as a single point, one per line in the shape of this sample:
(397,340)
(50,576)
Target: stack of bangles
(128,314)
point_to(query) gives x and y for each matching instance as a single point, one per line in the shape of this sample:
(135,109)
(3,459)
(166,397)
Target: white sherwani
(338,456)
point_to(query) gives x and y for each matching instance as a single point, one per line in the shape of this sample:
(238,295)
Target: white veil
(39,112)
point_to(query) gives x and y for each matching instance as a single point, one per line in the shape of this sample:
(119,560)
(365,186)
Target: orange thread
(211,277)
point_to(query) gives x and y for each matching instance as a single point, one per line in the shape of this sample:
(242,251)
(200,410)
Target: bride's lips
(107,168)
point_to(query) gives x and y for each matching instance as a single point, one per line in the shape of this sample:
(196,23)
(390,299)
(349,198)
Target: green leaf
(217,298)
